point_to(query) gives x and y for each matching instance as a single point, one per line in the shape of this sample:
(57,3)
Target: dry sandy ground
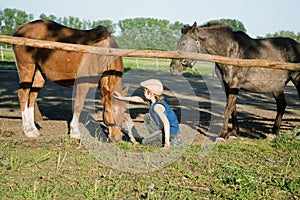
(198,101)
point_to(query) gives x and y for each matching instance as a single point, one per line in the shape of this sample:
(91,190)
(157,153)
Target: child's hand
(118,95)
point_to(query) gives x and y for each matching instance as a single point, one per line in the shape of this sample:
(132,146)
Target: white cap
(153,85)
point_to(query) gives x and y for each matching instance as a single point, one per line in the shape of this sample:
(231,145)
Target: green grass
(63,169)
(8,54)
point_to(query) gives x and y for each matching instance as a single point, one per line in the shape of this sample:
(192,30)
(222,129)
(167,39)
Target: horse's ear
(185,29)
(124,92)
(194,25)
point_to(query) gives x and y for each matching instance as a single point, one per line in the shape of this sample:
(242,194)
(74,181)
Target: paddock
(253,115)
(256,111)
(53,166)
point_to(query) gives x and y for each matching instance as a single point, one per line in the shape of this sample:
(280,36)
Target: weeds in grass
(60,161)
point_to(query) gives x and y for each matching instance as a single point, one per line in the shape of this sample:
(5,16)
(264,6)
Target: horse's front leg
(281,105)
(81,92)
(230,110)
(129,124)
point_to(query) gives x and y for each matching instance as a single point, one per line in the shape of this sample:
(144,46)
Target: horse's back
(258,79)
(52,31)
(281,49)
(288,48)
(58,65)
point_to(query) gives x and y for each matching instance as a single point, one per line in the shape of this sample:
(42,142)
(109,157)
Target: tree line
(136,33)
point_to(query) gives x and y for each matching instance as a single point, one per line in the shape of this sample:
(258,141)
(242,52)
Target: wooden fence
(2,52)
(150,53)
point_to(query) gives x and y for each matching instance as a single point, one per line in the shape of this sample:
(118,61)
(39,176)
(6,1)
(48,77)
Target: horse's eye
(184,62)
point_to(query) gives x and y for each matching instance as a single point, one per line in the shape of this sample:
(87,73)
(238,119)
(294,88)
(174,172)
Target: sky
(259,17)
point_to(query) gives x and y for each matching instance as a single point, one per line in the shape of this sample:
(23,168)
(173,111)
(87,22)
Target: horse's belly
(260,80)
(64,68)
(59,65)
(265,80)
(263,87)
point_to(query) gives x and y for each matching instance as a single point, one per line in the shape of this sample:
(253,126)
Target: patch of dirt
(203,112)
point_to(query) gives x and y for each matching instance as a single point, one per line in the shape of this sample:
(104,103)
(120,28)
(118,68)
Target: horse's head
(186,43)
(114,109)
(114,115)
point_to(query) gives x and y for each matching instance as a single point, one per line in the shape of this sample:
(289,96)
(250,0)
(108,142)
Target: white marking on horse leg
(74,127)
(28,125)
(31,119)
(25,118)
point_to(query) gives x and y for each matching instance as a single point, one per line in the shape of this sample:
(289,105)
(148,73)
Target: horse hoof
(220,139)
(132,140)
(232,137)
(76,136)
(33,134)
(270,137)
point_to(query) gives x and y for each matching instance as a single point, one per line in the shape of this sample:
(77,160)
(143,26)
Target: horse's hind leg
(281,104)
(231,95)
(38,83)
(296,80)
(27,98)
(230,110)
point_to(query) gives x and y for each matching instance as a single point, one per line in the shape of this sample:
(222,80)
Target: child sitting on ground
(161,121)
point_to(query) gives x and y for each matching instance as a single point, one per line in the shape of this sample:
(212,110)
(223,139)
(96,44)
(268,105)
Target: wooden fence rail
(150,53)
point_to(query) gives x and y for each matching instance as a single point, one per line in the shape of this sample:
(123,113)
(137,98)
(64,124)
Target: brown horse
(69,69)
(218,39)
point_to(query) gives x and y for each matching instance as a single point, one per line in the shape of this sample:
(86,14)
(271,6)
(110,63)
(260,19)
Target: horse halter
(185,62)
(110,124)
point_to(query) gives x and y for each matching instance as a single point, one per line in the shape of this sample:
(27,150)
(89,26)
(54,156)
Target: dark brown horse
(68,69)
(221,40)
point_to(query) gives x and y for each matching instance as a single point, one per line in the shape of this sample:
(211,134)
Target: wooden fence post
(2,54)
(137,62)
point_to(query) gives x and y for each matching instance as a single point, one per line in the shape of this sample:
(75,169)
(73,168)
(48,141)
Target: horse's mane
(208,26)
(216,25)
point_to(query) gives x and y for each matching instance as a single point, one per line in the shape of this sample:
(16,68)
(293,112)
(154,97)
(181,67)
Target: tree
(11,18)
(148,33)
(50,17)
(289,34)
(75,22)
(107,23)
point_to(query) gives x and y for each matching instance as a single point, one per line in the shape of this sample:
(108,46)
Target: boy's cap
(153,85)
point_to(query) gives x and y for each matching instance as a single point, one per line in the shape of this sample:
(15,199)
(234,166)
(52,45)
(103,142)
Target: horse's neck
(220,43)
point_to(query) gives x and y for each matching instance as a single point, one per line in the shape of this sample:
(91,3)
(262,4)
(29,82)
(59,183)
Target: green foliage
(148,33)
(75,22)
(287,141)
(135,33)
(289,34)
(11,18)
